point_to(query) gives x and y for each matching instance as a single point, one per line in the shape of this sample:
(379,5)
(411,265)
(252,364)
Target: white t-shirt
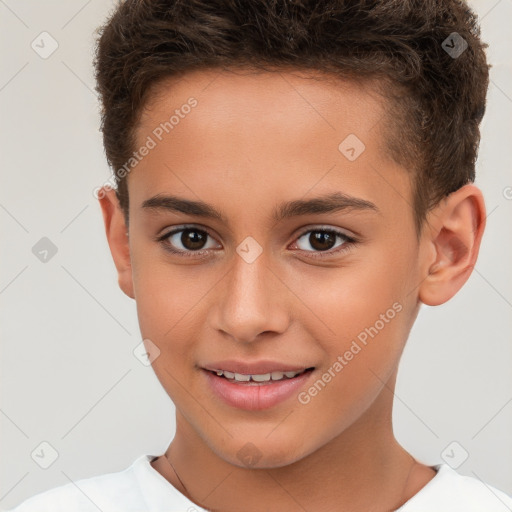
(141,488)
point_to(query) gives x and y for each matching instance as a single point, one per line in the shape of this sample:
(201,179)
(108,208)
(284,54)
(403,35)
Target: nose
(251,301)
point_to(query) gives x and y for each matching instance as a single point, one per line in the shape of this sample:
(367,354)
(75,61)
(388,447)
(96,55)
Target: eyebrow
(329,203)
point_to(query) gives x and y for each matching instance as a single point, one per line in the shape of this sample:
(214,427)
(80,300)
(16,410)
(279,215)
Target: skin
(253,141)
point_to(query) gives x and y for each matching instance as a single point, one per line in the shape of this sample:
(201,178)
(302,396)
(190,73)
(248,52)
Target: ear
(117,236)
(452,235)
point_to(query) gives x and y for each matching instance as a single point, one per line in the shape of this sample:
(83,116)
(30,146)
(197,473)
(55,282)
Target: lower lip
(255,397)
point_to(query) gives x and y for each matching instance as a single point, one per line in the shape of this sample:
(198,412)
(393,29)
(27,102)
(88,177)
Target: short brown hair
(438,96)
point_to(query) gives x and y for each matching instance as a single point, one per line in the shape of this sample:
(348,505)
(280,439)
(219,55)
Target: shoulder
(110,492)
(449,490)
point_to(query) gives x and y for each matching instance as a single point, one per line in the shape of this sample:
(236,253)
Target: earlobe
(117,237)
(454,233)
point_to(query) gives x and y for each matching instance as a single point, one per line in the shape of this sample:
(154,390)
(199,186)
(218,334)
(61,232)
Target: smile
(258,378)
(255,388)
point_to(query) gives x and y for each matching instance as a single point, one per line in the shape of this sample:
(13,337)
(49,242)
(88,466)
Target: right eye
(188,241)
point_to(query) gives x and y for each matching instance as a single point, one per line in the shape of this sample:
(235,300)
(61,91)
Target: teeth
(261,378)
(265,377)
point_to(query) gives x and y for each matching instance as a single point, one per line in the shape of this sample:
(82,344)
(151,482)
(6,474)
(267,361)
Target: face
(270,233)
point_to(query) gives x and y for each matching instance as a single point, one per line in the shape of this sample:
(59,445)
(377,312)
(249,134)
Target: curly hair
(437,98)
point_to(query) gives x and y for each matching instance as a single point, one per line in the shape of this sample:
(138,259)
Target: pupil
(192,239)
(322,240)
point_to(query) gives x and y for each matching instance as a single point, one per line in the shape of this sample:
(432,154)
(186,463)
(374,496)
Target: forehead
(270,133)
(268,99)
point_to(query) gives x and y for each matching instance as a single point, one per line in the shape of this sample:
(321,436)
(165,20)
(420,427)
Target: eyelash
(345,247)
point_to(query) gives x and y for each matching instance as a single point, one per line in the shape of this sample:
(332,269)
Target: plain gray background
(68,374)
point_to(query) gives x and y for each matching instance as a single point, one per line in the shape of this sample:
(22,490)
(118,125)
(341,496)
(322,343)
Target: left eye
(322,240)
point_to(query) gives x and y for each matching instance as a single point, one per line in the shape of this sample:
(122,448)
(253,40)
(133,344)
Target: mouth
(258,387)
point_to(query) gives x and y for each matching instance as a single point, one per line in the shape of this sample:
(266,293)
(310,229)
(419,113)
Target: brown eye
(193,239)
(188,241)
(324,240)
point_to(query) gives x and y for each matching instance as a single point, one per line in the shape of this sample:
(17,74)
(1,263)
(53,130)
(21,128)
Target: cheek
(166,315)
(166,304)
(363,313)
(164,292)
(368,327)
(349,299)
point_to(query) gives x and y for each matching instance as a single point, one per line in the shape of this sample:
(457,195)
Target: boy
(322,154)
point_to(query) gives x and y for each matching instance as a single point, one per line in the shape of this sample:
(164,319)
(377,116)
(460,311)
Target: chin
(261,452)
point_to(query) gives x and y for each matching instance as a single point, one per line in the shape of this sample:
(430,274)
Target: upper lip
(254,368)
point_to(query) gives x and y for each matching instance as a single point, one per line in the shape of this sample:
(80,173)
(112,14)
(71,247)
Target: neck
(362,469)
